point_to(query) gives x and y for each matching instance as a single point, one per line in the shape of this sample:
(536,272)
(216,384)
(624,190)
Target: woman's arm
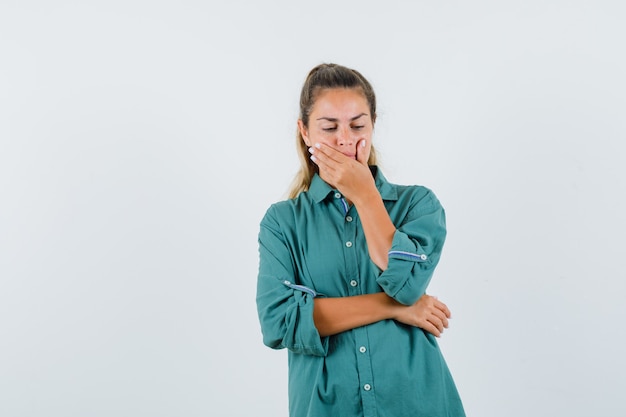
(377,226)
(336,315)
(354,179)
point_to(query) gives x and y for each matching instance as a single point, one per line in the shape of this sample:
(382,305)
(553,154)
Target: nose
(345,137)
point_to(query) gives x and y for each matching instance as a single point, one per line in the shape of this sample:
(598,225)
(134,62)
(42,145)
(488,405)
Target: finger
(436,321)
(361,155)
(442,307)
(327,167)
(325,172)
(315,160)
(320,149)
(321,160)
(441,316)
(431,328)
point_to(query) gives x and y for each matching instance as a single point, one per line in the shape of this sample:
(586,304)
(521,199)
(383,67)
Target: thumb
(361,155)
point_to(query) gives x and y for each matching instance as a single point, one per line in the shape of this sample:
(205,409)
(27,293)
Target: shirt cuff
(408,271)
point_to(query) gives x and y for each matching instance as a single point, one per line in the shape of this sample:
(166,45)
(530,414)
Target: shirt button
(337,195)
(423,256)
(367,387)
(354,283)
(362,349)
(349,244)
(349,218)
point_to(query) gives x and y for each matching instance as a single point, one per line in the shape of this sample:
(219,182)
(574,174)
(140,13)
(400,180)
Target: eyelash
(332,129)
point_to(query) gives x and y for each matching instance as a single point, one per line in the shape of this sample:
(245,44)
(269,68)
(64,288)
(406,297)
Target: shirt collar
(319,189)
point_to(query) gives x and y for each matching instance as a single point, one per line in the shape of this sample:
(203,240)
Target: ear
(304,132)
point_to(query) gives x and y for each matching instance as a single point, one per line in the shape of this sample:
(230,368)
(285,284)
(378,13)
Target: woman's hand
(427,313)
(352,177)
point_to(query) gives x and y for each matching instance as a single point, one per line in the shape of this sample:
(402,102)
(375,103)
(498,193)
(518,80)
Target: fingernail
(313,158)
(363,143)
(317,145)
(310,150)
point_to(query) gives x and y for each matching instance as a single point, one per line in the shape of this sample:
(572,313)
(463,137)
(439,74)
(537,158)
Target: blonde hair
(326,76)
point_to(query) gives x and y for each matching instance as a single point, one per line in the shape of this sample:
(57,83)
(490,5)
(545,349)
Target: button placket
(354,249)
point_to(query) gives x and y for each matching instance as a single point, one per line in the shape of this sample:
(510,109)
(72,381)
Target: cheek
(321,138)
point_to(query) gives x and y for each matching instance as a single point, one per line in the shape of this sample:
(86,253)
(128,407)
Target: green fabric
(384,369)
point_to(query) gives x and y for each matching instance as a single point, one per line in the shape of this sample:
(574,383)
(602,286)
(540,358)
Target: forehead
(340,100)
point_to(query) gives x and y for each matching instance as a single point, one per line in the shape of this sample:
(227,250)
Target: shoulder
(418,201)
(415,194)
(419,195)
(285,212)
(413,197)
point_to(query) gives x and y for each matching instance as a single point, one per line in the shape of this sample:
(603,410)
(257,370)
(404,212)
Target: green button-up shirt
(314,246)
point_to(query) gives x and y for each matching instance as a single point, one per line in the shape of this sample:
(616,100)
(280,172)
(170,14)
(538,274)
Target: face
(340,118)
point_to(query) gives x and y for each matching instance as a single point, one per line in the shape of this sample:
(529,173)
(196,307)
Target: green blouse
(314,246)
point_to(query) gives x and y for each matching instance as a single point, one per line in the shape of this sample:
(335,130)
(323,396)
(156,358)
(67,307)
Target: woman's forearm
(377,227)
(336,315)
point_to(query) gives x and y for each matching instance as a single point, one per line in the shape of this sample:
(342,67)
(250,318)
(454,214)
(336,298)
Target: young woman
(344,266)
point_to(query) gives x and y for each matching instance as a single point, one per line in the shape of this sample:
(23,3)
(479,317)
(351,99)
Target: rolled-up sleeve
(415,251)
(285,308)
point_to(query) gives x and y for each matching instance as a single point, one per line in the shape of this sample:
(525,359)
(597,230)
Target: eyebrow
(332,119)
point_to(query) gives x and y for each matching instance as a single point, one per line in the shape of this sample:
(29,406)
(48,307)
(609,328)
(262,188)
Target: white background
(142,141)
